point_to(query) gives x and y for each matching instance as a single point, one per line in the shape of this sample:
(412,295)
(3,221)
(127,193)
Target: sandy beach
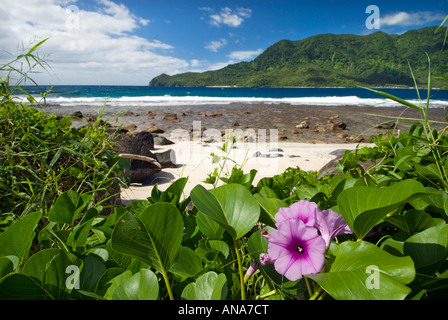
(268,160)
(275,137)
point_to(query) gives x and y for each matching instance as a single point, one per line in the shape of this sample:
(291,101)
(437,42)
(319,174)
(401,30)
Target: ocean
(140,98)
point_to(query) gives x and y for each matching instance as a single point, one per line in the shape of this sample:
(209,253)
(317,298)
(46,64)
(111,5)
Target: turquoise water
(144,96)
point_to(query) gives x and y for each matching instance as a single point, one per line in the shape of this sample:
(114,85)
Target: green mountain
(330,60)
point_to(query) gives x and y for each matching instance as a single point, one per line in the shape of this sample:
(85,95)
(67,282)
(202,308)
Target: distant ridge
(329,60)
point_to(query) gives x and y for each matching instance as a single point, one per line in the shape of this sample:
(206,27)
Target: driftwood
(139,157)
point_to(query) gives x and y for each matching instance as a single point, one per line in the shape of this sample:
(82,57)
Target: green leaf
(188,264)
(362,271)
(270,208)
(428,248)
(141,286)
(174,192)
(130,238)
(17,239)
(209,227)
(6,266)
(412,221)
(209,286)
(68,206)
(44,276)
(154,236)
(365,207)
(92,270)
(22,287)
(231,205)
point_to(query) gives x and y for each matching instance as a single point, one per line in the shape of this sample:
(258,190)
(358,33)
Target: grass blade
(396,99)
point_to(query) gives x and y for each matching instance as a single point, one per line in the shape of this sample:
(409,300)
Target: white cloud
(243,55)
(87,47)
(229,17)
(404,19)
(216,45)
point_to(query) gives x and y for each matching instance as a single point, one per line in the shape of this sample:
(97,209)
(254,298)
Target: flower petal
(331,225)
(303,210)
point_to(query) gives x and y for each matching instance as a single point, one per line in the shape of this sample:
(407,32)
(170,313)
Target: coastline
(295,123)
(310,147)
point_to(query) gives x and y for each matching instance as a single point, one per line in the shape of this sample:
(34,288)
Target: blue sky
(128,42)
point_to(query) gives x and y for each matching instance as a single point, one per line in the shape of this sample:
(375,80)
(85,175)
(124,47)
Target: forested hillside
(330,60)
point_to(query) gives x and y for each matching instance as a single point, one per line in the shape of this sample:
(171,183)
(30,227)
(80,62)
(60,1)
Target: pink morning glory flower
(331,225)
(296,249)
(303,210)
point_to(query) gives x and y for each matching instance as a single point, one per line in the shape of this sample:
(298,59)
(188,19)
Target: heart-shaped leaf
(48,274)
(232,206)
(362,271)
(209,286)
(154,236)
(17,239)
(365,207)
(68,206)
(141,286)
(428,248)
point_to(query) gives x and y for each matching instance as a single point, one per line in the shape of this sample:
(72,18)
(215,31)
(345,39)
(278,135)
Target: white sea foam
(166,100)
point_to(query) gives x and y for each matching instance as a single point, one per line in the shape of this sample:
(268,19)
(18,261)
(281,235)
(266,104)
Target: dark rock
(77,114)
(161,141)
(170,117)
(333,126)
(167,159)
(275,155)
(155,130)
(386,125)
(139,144)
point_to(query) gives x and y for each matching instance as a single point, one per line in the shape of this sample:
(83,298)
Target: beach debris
(139,157)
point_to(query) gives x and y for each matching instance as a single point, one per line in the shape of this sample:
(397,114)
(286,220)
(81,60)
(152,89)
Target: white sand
(194,161)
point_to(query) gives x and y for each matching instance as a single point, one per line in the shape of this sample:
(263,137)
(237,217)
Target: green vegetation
(42,156)
(328,60)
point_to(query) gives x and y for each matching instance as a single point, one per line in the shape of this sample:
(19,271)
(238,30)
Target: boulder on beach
(141,144)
